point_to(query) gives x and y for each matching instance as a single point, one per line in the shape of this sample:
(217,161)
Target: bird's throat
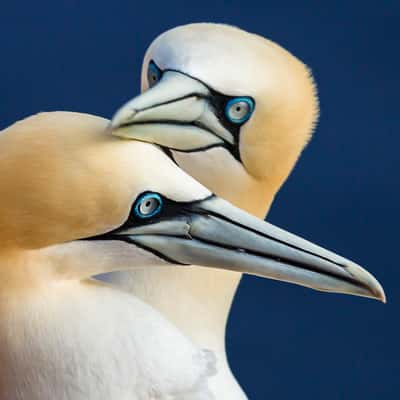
(197,300)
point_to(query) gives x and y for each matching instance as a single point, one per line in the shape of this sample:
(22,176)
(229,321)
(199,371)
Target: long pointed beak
(175,113)
(214,233)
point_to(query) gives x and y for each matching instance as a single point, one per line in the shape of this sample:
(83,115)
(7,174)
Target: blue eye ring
(153,74)
(148,205)
(239,109)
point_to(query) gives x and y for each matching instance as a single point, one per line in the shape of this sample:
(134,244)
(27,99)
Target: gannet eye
(239,109)
(148,205)
(153,74)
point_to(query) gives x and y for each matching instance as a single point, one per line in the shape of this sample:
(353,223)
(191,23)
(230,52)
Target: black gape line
(170,209)
(149,250)
(218,101)
(168,153)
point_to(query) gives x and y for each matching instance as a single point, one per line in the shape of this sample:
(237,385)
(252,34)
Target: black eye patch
(220,104)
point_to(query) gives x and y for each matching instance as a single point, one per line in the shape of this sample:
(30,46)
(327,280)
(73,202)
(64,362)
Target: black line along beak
(177,113)
(214,233)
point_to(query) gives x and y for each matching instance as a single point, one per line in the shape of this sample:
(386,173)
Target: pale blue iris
(239,109)
(148,205)
(153,74)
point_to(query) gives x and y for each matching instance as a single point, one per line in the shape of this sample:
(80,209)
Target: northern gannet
(62,335)
(77,202)
(236,110)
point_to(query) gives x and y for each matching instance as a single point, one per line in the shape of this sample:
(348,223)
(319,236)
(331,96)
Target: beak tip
(372,287)
(377,291)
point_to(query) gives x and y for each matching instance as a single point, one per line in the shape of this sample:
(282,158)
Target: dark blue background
(284,342)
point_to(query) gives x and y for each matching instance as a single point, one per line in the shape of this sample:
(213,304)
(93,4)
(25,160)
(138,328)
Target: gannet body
(63,336)
(235,110)
(77,202)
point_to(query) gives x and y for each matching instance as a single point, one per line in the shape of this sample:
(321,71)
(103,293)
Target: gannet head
(237,107)
(92,203)
(65,178)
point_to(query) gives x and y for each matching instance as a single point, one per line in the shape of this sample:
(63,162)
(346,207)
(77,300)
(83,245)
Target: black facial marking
(169,154)
(170,209)
(218,101)
(148,249)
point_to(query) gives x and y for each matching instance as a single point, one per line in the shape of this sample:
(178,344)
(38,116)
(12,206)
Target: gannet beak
(178,113)
(214,233)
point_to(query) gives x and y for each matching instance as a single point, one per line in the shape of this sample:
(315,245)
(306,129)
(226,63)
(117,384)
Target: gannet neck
(197,301)
(226,177)
(176,293)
